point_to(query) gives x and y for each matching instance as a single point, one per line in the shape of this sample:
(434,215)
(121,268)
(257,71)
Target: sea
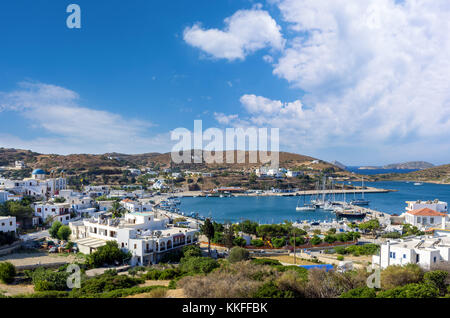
(275,209)
(356,169)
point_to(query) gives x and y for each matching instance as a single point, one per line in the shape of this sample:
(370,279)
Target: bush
(316,240)
(200,265)
(238,254)
(172,284)
(257,243)
(7,272)
(192,251)
(340,258)
(330,238)
(239,241)
(271,290)
(278,242)
(410,291)
(360,292)
(395,275)
(265,261)
(437,279)
(299,240)
(109,254)
(47,279)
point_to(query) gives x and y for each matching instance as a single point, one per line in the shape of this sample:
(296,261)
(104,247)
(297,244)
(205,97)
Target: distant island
(419,165)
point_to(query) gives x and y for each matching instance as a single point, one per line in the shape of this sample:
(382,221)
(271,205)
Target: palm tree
(117,210)
(208,230)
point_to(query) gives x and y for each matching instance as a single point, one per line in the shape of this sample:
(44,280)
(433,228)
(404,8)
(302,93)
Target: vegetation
(109,254)
(7,272)
(238,254)
(208,230)
(357,250)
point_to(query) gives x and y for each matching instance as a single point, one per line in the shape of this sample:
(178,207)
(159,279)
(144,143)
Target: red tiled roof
(426,212)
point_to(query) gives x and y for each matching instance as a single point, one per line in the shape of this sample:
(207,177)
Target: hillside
(410,165)
(438,174)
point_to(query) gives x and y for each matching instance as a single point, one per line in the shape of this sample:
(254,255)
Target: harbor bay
(277,209)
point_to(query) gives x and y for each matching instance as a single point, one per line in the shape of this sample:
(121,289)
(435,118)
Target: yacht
(305,207)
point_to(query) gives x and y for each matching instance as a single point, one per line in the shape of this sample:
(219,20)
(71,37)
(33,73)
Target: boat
(349,213)
(418,183)
(305,207)
(361,201)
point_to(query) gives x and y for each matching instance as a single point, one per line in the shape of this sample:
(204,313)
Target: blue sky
(138,69)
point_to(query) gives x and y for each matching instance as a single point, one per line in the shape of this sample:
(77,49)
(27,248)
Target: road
(35,236)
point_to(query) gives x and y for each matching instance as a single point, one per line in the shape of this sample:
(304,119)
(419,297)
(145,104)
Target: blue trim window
(404,255)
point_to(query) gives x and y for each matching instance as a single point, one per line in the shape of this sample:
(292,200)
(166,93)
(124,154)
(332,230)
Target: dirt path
(11,290)
(41,258)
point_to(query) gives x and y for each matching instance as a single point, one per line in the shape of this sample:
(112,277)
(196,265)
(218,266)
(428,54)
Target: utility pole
(295,256)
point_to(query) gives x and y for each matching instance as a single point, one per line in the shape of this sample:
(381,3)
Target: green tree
(117,210)
(109,254)
(208,230)
(438,279)
(53,231)
(64,233)
(316,240)
(228,235)
(7,272)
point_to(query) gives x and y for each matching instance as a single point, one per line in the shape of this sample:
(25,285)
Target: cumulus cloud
(245,32)
(71,127)
(369,72)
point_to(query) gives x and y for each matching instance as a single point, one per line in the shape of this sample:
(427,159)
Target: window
(419,219)
(417,258)
(404,255)
(123,245)
(135,246)
(431,220)
(434,259)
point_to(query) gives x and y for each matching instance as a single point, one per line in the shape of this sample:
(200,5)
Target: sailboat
(361,201)
(305,207)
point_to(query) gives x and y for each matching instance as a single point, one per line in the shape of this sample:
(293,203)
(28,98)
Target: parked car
(53,250)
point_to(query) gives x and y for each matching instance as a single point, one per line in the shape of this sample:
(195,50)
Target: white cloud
(245,32)
(370,72)
(73,128)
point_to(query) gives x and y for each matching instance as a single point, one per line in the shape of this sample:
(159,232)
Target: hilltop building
(8,224)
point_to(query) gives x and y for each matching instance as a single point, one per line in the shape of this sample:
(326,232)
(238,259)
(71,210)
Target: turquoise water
(272,209)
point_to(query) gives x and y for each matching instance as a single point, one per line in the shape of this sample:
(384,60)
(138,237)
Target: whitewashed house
(4,196)
(435,205)
(8,224)
(293,174)
(146,237)
(426,251)
(50,211)
(135,206)
(425,218)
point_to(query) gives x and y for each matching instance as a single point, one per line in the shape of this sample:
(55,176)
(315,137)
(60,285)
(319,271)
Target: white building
(19,164)
(145,236)
(293,174)
(427,252)
(4,196)
(435,205)
(52,211)
(8,224)
(135,172)
(37,185)
(135,206)
(425,218)
(159,185)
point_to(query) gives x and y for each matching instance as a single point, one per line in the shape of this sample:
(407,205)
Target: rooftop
(426,212)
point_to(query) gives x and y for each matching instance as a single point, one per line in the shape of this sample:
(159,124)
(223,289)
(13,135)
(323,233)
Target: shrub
(410,291)
(108,254)
(316,240)
(172,284)
(7,272)
(239,241)
(271,290)
(299,240)
(47,279)
(360,292)
(238,254)
(395,275)
(198,265)
(192,251)
(340,258)
(278,242)
(330,239)
(257,243)
(265,261)
(437,279)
